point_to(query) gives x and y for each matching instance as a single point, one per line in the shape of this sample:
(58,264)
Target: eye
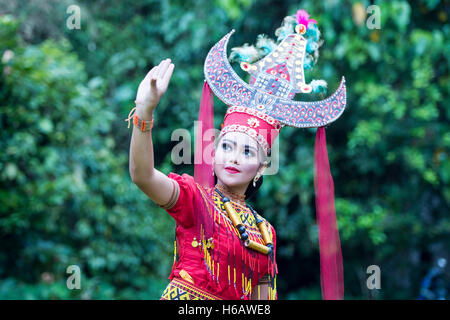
(248,152)
(225,146)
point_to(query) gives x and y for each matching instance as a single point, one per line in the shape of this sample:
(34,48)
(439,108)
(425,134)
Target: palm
(154,85)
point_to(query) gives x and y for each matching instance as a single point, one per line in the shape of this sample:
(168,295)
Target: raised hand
(153,87)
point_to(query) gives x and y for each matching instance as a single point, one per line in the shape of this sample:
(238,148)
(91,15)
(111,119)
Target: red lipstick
(232,170)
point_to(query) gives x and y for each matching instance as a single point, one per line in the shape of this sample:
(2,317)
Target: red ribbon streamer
(331,268)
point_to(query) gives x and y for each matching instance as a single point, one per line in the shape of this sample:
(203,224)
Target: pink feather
(302,17)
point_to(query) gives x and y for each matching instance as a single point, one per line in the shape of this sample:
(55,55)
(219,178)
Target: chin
(232,179)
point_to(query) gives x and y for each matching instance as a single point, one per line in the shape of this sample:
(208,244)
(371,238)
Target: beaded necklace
(235,197)
(237,222)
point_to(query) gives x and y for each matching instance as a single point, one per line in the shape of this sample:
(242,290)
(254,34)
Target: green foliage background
(66,197)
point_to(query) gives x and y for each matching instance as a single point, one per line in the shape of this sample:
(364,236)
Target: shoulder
(185,181)
(184,178)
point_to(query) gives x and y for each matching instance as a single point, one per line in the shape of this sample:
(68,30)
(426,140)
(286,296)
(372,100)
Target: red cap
(258,125)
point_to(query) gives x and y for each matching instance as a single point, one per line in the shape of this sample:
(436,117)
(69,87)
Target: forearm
(156,185)
(141,151)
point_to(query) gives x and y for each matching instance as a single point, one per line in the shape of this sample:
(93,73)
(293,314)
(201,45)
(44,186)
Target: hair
(251,190)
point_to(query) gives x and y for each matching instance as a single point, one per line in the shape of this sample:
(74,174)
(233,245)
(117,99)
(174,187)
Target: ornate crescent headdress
(263,106)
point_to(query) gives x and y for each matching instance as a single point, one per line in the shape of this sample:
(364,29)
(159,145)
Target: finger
(162,69)
(153,82)
(151,72)
(168,74)
(159,69)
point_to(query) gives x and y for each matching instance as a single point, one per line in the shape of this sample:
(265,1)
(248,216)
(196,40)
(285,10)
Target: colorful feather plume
(286,28)
(311,46)
(246,53)
(302,17)
(308,62)
(265,44)
(319,86)
(313,32)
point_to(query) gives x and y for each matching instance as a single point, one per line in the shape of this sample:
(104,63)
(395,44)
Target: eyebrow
(234,143)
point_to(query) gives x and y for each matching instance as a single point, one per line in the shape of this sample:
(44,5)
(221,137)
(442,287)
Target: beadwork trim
(180,289)
(255,245)
(247,130)
(263,116)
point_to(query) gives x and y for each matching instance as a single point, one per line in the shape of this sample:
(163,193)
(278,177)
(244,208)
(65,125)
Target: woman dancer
(224,249)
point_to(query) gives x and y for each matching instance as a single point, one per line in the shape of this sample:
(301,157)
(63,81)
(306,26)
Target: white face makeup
(237,159)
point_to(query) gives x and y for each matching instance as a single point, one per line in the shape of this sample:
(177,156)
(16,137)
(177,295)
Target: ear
(262,168)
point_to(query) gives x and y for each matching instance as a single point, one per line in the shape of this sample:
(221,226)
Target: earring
(256,178)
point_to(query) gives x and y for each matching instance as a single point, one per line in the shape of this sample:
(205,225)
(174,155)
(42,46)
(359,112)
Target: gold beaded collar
(237,198)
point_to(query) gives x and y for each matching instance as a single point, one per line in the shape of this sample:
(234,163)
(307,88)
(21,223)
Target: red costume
(222,268)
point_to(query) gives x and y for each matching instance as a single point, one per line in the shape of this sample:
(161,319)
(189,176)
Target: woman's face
(237,150)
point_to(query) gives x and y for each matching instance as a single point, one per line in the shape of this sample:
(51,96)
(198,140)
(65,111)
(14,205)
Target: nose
(234,158)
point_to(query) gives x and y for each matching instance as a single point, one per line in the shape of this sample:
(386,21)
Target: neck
(234,195)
